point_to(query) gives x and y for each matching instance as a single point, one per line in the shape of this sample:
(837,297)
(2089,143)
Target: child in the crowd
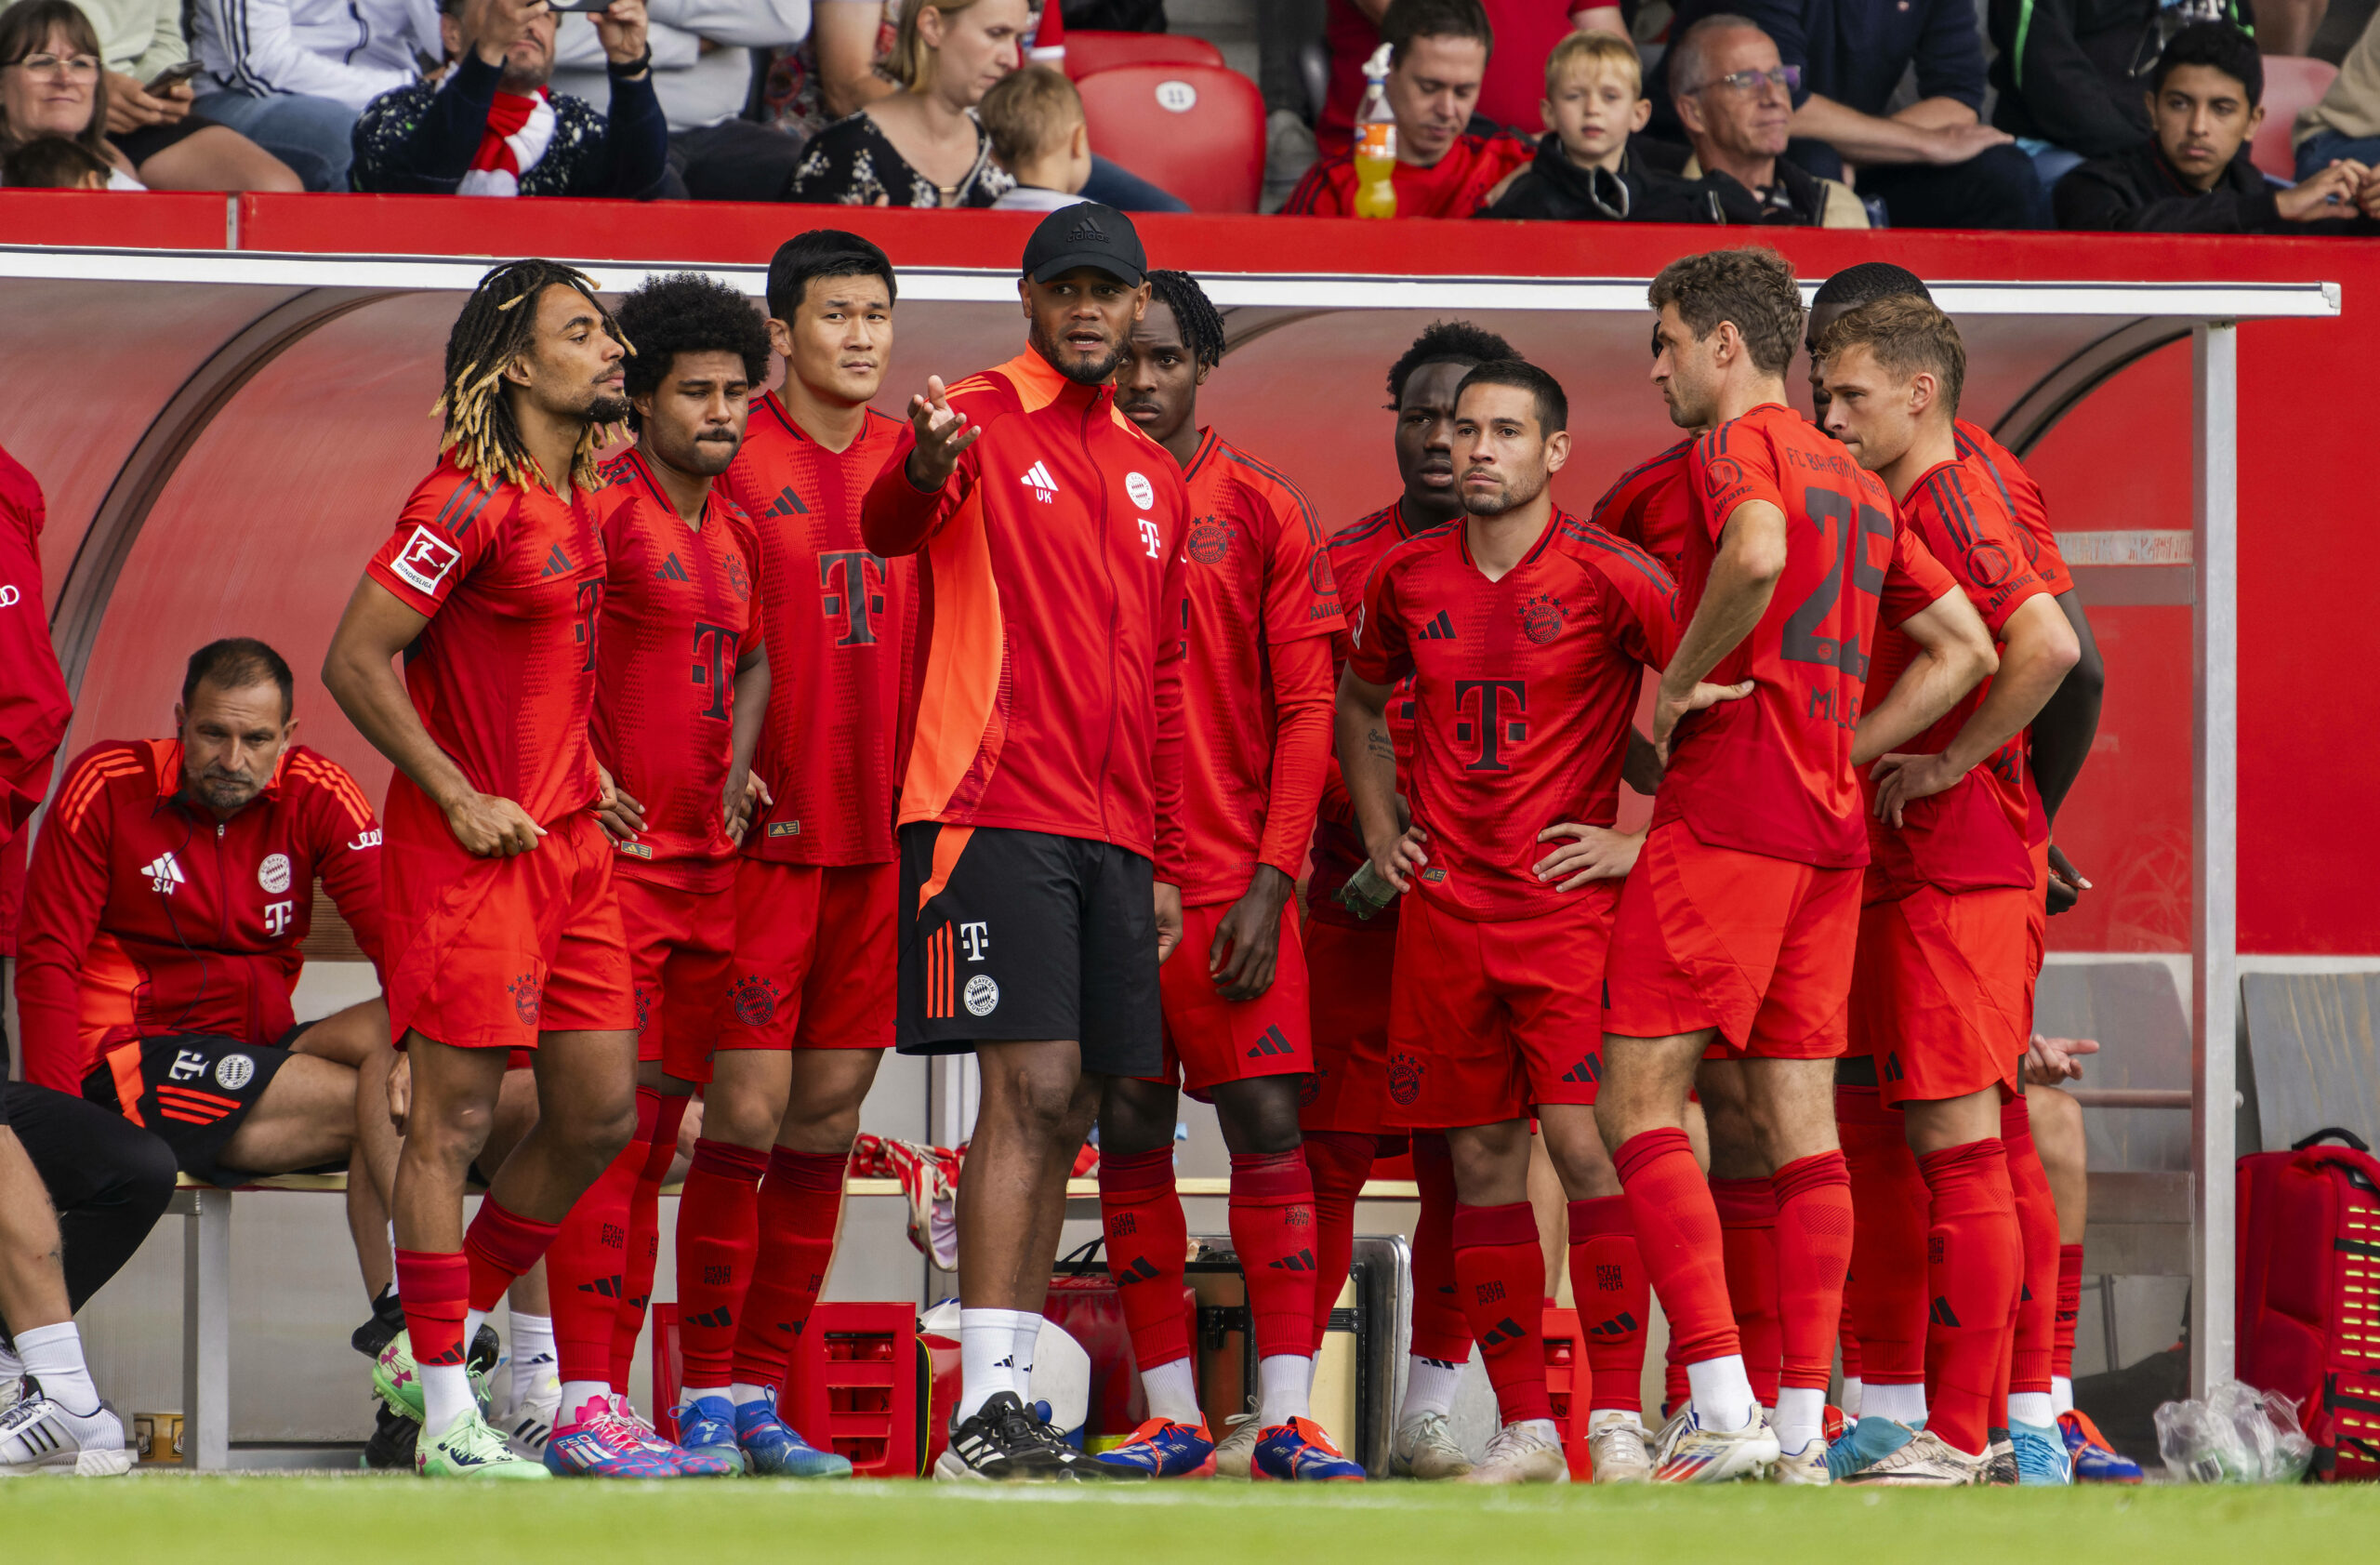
(1595,100)
(1035,119)
(54,163)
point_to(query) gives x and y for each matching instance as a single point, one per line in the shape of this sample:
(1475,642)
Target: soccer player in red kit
(1941,995)
(1256,700)
(1349,960)
(1737,924)
(808,1006)
(681,680)
(1525,632)
(503,924)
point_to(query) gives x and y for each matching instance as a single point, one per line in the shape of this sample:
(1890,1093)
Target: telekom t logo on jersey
(1500,706)
(852,583)
(1151,540)
(976,936)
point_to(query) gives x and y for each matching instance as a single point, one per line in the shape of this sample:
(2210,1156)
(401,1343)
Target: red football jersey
(503,676)
(1338,842)
(1652,506)
(1258,579)
(35,708)
(1455,185)
(1771,773)
(680,610)
(838,620)
(1523,689)
(2021,497)
(1972,834)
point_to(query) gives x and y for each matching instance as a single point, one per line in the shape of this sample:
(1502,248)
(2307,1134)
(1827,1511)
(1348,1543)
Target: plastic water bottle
(1376,143)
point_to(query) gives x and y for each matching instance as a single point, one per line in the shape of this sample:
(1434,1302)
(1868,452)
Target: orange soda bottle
(1376,143)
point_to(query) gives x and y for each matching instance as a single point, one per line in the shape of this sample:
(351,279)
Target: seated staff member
(169,894)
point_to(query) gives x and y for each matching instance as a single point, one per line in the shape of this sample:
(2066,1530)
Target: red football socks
(1148,1241)
(1813,1254)
(644,1252)
(1441,1330)
(2069,1308)
(1499,1276)
(1884,1298)
(587,1271)
(435,1288)
(801,1202)
(1974,1262)
(2036,1344)
(1608,1289)
(1677,1234)
(1339,1162)
(717,1234)
(1748,1236)
(1272,1226)
(500,1246)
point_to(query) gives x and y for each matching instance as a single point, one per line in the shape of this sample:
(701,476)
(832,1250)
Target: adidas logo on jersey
(787,503)
(164,873)
(556,562)
(1440,629)
(1272,1042)
(1037,479)
(670,570)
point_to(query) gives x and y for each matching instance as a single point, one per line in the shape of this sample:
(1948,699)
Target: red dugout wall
(287,476)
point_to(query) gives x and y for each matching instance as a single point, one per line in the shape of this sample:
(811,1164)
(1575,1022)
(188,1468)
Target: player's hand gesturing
(1670,707)
(1590,852)
(943,432)
(1903,779)
(2052,1060)
(492,828)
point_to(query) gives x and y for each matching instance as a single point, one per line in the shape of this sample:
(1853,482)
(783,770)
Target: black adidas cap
(1086,234)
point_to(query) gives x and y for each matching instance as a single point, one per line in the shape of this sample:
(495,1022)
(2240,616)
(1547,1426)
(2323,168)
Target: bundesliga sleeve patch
(423,562)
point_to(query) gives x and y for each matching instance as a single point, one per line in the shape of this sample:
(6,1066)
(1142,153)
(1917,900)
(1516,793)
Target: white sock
(1430,1385)
(1801,1418)
(2061,1394)
(1281,1380)
(741,1393)
(986,1359)
(577,1395)
(1597,1417)
(1543,1428)
(473,1320)
(445,1396)
(1173,1391)
(53,1355)
(533,1353)
(1722,1393)
(12,1369)
(2036,1407)
(1902,1404)
(691,1394)
(393,1249)
(1851,1390)
(1027,1344)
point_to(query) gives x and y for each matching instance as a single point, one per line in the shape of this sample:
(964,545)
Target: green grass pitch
(177,1520)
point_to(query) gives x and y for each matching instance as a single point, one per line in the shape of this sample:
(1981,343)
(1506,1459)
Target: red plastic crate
(1565,1363)
(852,1389)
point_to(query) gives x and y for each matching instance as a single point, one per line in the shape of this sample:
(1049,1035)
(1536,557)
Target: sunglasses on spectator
(1787,76)
(83,67)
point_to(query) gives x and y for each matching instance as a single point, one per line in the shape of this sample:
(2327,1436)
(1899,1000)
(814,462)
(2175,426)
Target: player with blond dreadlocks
(503,930)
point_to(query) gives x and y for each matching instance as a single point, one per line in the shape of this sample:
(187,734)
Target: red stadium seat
(2292,83)
(1087,52)
(1197,130)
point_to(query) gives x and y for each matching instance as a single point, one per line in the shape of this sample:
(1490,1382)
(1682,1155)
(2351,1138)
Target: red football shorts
(814,958)
(1758,948)
(1209,1039)
(486,953)
(1348,970)
(2037,920)
(679,943)
(1486,1019)
(1940,994)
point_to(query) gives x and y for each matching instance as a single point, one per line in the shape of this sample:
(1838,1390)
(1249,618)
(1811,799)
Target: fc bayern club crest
(527,996)
(1209,542)
(756,1000)
(1541,619)
(1404,1079)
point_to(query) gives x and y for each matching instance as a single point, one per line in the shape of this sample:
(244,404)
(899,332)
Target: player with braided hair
(1256,698)
(502,926)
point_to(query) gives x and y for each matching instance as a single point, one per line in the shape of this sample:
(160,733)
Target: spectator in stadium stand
(292,75)
(1034,117)
(2194,176)
(1438,52)
(1935,163)
(54,163)
(702,70)
(1526,29)
(79,72)
(1595,100)
(1734,97)
(2346,124)
(492,126)
(922,146)
(2070,73)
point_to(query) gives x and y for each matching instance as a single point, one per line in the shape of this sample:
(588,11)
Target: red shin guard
(1339,1162)
(801,1202)
(1499,1275)
(1813,1254)
(1441,1330)
(717,1234)
(644,1232)
(1272,1226)
(1677,1234)
(2036,1344)
(1148,1241)
(1747,1237)
(1884,1298)
(1973,1267)
(1609,1288)
(500,1246)
(2070,1307)
(435,1286)
(587,1271)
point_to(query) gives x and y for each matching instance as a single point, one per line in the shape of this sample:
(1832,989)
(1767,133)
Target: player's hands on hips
(742,800)
(1903,779)
(616,810)
(1589,853)
(1670,705)
(1248,941)
(2049,1061)
(1169,921)
(2067,884)
(943,432)
(1399,859)
(401,1092)
(492,828)
(621,29)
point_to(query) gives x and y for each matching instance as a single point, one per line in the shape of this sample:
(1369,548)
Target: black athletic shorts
(193,1089)
(1023,934)
(108,1178)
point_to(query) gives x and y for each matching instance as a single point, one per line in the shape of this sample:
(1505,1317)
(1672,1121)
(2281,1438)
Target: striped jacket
(350,51)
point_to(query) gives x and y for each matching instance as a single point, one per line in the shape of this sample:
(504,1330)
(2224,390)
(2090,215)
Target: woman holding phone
(127,59)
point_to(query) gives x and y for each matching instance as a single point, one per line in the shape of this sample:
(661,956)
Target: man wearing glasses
(1736,99)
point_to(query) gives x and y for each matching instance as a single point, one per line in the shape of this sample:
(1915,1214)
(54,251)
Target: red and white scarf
(519,129)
